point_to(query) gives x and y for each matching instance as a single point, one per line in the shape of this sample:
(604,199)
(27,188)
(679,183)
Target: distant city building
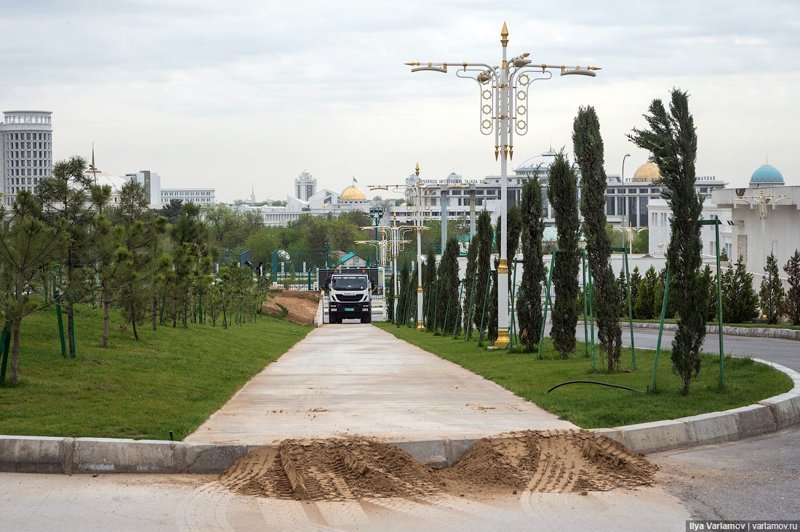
(309,201)
(756,221)
(151,182)
(198,196)
(27,151)
(305,186)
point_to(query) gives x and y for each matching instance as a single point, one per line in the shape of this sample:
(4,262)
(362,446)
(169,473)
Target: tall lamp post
(417,193)
(503,111)
(376,215)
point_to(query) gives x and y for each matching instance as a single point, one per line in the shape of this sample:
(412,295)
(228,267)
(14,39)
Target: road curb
(768,415)
(753,332)
(41,454)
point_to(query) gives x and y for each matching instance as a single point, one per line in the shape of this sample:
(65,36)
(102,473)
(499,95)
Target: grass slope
(592,406)
(170,380)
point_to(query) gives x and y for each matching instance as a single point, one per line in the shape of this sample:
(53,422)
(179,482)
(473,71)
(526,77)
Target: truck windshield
(349,283)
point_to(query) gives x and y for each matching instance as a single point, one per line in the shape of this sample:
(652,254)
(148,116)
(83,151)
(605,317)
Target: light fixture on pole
(503,112)
(624,199)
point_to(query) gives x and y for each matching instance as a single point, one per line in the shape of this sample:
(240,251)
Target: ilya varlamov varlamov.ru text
(692,526)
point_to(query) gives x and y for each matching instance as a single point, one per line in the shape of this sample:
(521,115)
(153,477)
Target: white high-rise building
(305,186)
(27,151)
(151,182)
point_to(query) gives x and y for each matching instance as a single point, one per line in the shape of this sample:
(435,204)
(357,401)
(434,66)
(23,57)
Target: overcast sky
(233,94)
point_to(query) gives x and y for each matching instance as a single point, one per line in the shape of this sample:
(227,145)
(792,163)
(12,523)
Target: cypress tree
(469,286)
(484,237)
(708,280)
(402,289)
(430,288)
(390,301)
(771,293)
(739,302)
(671,139)
(563,196)
(646,296)
(622,286)
(588,145)
(636,282)
(529,302)
(792,269)
(447,279)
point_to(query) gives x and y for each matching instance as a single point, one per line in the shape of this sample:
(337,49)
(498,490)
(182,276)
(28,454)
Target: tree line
(671,139)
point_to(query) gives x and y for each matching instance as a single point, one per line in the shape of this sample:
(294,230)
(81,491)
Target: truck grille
(349,299)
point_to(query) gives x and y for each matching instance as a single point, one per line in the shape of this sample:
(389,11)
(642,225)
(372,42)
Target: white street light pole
(503,111)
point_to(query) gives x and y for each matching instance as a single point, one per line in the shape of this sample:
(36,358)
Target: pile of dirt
(297,307)
(336,469)
(555,461)
(340,469)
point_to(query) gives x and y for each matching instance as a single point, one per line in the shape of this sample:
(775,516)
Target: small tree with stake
(671,139)
(563,196)
(529,303)
(589,156)
(771,293)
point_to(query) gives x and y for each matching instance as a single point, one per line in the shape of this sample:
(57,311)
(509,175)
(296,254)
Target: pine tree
(671,139)
(400,318)
(563,196)
(66,199)
(588,144)
(771,294)
(27,244)
(739,303)
(792,269)
(529,302)
(622,286)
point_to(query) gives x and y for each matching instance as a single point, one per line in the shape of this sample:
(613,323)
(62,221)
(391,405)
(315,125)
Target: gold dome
(352,193)
(647,172)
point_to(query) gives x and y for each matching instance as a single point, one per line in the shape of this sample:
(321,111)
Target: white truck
(349,297)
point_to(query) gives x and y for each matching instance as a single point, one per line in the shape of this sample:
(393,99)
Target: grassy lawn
(170,380)
(591,406)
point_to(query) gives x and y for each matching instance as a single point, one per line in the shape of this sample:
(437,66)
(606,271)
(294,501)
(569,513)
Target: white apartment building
(27,151)
(198,196)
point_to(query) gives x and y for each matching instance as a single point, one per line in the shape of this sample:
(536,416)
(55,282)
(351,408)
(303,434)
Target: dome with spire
(352,193)
(766,175)
(648,173)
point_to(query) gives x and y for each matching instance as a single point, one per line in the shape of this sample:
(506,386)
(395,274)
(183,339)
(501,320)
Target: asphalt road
(757,478)
(780,351)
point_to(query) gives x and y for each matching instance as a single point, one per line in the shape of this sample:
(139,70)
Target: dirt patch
(297,307)
(337,469)
(551,461)
(353,468)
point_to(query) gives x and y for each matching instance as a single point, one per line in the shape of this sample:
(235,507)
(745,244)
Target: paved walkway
(358,379)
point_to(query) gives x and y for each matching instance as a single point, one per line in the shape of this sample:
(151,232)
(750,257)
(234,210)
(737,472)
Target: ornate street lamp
(503,112)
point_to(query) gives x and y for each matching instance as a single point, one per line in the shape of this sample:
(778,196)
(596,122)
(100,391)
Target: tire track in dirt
(555,461)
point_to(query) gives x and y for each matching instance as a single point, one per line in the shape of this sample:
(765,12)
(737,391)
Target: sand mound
(301,306)
(551,461)
(336,469)
(352,468)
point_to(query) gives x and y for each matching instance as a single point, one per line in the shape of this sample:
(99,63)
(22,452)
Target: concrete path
(358,379)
